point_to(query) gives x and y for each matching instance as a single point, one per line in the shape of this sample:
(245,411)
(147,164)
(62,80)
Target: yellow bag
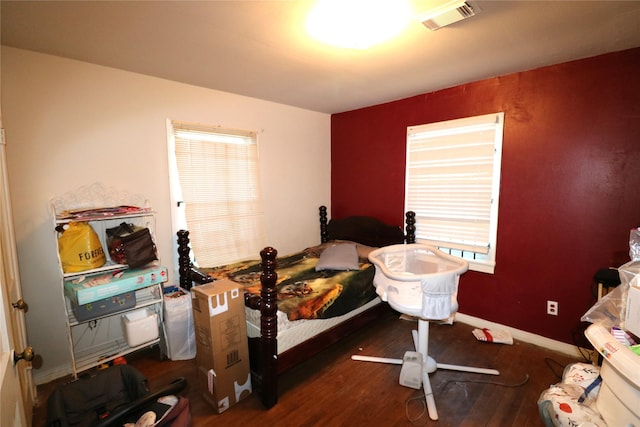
(80,248)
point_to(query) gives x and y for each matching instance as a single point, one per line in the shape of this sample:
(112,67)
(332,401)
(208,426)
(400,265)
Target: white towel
(501,336)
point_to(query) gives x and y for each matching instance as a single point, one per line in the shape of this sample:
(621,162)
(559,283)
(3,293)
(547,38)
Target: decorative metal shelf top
(104,216)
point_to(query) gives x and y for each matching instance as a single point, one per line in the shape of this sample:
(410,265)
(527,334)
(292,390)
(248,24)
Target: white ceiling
(260,48)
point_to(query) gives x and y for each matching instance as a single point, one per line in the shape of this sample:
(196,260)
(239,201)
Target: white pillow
(339,257)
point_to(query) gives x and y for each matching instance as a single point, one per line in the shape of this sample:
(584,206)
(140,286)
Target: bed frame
(266,364)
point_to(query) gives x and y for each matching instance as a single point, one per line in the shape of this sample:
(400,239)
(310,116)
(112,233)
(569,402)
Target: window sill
(482,267)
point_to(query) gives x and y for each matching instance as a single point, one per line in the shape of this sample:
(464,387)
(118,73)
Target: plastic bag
(80,248)
(634,244)
(611,310)
(179,329)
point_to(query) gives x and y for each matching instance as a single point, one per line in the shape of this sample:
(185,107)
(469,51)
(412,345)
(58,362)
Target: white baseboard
(559,346)
(43,377)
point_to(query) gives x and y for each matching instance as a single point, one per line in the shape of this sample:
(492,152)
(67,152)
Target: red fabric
(179,415)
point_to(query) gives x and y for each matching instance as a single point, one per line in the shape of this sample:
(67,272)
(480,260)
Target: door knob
(21,305)
(27,355)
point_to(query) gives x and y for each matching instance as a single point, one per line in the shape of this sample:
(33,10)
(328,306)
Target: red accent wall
(570,188)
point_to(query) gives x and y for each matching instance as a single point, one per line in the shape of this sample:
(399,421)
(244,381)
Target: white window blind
(218,194)
(452,183)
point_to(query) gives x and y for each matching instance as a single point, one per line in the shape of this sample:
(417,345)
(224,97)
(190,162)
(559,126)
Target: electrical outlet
(552,308)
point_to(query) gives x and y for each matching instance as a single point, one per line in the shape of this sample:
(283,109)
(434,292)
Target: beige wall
(70,124)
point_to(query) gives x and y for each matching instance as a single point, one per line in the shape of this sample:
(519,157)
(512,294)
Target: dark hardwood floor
(330,389)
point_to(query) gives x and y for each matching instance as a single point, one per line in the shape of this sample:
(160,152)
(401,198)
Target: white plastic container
(140,326)
(619,393)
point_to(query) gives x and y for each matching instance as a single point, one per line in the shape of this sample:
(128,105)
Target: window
(215,188)
(453,183)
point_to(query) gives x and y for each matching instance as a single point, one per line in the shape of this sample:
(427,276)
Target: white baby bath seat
(421,281)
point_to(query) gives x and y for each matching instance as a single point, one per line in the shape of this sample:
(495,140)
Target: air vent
(448,13)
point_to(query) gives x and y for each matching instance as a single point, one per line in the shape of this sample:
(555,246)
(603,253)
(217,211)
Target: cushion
(363,250)
(343,256)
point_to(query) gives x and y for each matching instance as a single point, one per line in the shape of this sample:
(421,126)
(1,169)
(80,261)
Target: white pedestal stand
(421,343)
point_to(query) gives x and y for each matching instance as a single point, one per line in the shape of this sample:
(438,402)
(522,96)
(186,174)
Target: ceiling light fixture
(357,24)
(448,13)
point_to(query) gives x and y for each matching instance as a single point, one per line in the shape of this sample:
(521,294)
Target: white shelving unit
(100,339)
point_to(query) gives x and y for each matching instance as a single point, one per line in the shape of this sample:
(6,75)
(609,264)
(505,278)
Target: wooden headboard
(366,230)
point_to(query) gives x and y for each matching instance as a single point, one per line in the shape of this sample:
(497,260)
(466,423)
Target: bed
(295,307)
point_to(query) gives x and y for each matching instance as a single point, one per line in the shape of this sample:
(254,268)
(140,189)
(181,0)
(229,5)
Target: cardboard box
(630,275)
(222,352)
(632,318)
(83,290)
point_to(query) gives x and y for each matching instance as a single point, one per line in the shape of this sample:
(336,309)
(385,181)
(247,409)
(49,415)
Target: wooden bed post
(269,327)
(184,263)
(411,227)
(324,232)
(188,274)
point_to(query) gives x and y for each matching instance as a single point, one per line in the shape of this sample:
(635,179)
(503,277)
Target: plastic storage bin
(140,326)
(620,389)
